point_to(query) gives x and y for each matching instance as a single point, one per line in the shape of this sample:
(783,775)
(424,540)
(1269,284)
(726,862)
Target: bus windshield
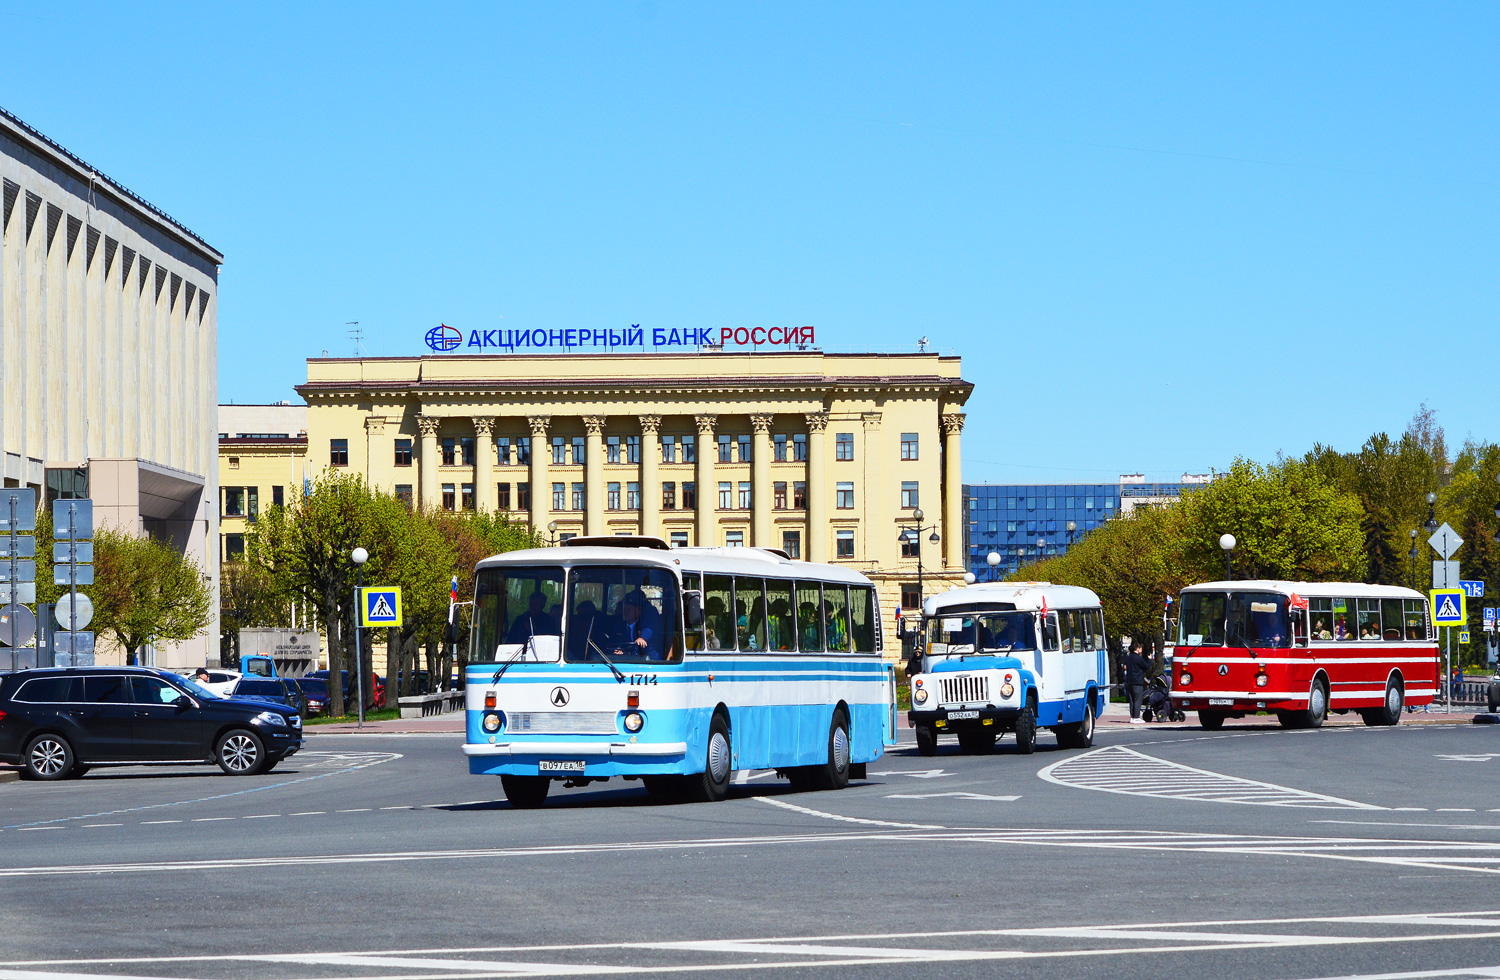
(998,632)
(516,607)
(1239,619)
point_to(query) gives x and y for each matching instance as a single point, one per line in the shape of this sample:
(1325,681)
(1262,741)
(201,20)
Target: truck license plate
(961,715)
(560,765)
(1227,702)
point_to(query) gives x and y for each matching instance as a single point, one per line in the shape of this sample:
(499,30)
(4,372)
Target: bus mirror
(692,608)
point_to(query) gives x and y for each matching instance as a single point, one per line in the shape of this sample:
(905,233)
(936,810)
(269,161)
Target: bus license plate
(1227,702)
(560,765)
(961,715)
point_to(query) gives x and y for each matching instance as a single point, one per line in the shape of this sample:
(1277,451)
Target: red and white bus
(1303,649)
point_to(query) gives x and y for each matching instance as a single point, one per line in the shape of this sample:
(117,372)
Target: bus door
(1050,674)
(888,733)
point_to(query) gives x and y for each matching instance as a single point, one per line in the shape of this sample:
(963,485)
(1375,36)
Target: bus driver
(634,631)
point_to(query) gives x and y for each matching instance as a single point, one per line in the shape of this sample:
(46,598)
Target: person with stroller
(1137,670)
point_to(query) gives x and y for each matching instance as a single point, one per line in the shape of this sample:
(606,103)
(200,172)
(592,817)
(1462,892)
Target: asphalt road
(1160,853)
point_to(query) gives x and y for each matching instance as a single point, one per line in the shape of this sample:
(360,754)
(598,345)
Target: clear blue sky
(1160,236)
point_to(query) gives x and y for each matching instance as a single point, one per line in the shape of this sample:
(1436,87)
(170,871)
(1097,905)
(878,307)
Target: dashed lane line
(833,816)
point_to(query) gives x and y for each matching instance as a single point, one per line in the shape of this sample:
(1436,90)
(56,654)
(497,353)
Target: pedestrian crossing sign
(1463,636)
(1448,607)
(381,606)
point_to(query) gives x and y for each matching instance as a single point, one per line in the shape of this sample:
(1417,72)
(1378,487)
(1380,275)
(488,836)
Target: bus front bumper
(577,749)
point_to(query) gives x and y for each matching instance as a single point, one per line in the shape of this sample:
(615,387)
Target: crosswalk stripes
(1117,769)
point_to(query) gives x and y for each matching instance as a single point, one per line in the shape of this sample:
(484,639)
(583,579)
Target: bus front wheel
(526,792)
(1026,730)
(926,740)
(1211,721)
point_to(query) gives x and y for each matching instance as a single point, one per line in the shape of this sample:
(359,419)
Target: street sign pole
(14,500)
(72,567)
(359,660)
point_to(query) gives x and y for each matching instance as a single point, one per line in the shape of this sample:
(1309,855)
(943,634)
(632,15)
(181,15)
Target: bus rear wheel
(712,784)
(526,792)
(1389,713)
(926,740)
(1080,734)
(834,774)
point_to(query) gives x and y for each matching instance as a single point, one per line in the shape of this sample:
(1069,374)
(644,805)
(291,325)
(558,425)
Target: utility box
(295,652)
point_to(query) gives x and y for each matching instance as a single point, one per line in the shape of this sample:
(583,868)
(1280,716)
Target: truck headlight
(919,696)
(491,721)
(1007,689)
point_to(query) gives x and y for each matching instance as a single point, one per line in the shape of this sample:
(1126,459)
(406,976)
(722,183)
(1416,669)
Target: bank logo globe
(444,338)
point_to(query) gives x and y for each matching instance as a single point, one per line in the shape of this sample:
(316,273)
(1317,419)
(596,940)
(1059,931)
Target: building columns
(817,488)
(650,482)
(376,472)
(484,463)
(429,460)
(541,484)
(593,474)
(877,543)
(708,490)
(953,492)
(760,473)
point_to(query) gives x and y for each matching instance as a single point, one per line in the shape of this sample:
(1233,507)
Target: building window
(580,496)
(403,494)
(669,449)
(1052,503)
(502,450)
(450,452)
(689,450)
(234,547)
(559,496)
(632,449)
(778,496)
(910,597)
(746,454)
(724,449)
(734,539)
(403,452)
(278,496)
(338,452)
(844,544)
(234,461)
(523,452)
(689,495)
(612,449)
(252,502)
(799,495)
(467,490)
(726,496)
(466,447)
(502,496)
(844,447)
(557,451)
(745,498)
(909,495)
(234,501)
(791,543)
(632,496)
(450,495)
(669,496)
(799,447)
(612,501)
(845,496)
(910,545)
(908,445)
(580,451)
(679,539)
(523,496)
(778,447)
(566,536)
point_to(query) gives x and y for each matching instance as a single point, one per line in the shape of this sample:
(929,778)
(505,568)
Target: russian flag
(453,590)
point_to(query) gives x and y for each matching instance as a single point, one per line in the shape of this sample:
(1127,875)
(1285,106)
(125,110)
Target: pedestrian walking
(1137,670)
(1456,685)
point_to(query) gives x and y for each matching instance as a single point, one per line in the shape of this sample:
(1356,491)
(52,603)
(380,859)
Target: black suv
(57,723)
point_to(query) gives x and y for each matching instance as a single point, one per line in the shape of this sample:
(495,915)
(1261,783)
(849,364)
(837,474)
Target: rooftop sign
(444,339)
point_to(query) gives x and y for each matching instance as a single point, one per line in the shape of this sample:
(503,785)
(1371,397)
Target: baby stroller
(1157,704)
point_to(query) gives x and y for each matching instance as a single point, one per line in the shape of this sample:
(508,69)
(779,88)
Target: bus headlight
(919,696)
(1260,680)
(491,721)
(1186,679)
(1007,689)
(634,721)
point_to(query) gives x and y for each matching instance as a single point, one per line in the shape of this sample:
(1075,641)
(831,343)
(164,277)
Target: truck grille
(561,722)
(965,689)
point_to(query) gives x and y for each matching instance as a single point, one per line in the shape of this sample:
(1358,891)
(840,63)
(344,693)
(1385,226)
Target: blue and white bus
(676,666)
(1009,657)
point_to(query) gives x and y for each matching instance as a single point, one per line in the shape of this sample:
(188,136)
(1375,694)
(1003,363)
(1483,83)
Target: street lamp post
(1412,558)
(551,534)
(1432,524)
(1227,542)
(360,556)
(1072,528)
(993,560)
(913,535)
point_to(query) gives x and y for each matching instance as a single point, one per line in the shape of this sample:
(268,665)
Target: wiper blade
(619,677)
(513,658)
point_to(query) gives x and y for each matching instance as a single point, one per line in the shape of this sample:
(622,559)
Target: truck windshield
(1000,632)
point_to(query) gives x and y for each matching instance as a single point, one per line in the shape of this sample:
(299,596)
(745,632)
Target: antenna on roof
(922,345)
(357,335)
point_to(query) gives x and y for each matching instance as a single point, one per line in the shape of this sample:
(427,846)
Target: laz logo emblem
(559,697)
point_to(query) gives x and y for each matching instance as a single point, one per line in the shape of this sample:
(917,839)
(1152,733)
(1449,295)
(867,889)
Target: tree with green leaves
(249,596)
(146,592)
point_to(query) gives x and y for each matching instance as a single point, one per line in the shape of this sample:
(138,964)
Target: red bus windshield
(1255,620)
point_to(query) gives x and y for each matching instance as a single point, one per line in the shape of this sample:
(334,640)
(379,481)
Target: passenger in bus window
(1341,629)
(807,627)
(535,621)
(1320,630)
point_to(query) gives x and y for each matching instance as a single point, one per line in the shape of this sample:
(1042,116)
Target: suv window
(51,690)
(153,690)
(107,689)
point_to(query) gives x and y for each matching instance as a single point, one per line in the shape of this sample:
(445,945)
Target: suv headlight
(919,696)
(271,718)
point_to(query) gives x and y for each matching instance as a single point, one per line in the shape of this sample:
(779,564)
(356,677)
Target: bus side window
(1321,611)
(781,625)
(750,612)
(718,612)
(1416,619)
(691,582)
(809,617)
(862,618)
(1390,617)
(836,618)
(1049,633)
(1065,623)
(1099,641)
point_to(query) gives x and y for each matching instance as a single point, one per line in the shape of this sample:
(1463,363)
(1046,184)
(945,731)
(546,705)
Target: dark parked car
(58,723)
(314,695)
(348,684)
(278,690)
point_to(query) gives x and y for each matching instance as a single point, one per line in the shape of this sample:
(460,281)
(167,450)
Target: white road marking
(358,809)
(310,813)
(1117,769)
(961,796)
(1407,823)
(210,819)
(260,816)
(917,773)
(840,817)
(149,823)
(1485,757)
(104,825)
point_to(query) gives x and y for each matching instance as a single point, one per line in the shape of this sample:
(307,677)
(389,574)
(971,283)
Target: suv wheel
(48,757)
(240,753)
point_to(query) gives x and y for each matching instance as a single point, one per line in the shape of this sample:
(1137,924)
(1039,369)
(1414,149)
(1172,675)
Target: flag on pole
(1296,601)
(1168,606)
(453,590)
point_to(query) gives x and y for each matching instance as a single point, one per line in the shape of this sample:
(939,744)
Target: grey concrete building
(108,354)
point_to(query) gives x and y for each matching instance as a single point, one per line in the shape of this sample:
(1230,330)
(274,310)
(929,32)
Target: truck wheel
(926,740)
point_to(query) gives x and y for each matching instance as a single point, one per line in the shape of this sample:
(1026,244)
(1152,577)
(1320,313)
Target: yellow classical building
(825,456)
(262,463)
